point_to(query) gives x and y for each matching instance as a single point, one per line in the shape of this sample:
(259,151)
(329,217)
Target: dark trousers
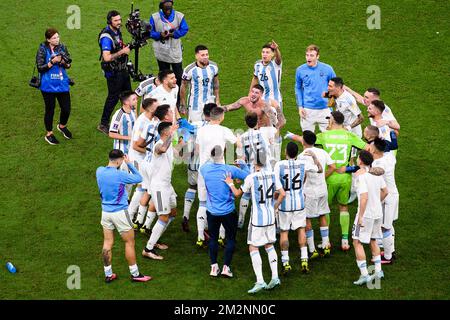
(50,104)
(229,222)
(116,85)
(177,68)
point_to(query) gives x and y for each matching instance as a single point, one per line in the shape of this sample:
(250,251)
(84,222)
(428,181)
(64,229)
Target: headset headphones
(161,4)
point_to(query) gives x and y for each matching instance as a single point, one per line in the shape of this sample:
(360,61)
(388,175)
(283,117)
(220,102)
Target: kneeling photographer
(52,60)
(114,58)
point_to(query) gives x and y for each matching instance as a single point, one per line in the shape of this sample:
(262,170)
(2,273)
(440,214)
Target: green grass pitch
(50,208)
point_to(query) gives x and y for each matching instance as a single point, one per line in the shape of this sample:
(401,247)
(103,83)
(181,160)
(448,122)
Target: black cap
(337,116)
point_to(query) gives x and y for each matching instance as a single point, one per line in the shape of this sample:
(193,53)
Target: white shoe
(214,270)
(226,272)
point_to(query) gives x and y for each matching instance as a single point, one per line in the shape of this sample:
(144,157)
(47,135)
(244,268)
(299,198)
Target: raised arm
(359,98)
(233,106)
(275,47)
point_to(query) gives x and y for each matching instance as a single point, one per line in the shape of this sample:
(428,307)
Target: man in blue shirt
(114,58)
(111,183)
(168,27)
(311,82)
(221,208)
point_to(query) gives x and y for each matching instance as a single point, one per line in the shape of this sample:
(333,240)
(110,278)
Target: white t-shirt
(262,185)
(387,162)
(162,165)
(347,105)
(151,136)
(165,97)
(316,185)
(385,131)
(372,185)
(139,126)
(291,175)
(210,136)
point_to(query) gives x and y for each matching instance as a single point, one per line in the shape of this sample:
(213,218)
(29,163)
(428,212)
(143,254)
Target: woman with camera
(52,60)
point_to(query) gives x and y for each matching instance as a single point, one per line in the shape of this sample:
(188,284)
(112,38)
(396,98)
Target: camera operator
(168,26)
(52,60)
(114,58)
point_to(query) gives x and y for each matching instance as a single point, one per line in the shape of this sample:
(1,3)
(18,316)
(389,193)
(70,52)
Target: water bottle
(10,267)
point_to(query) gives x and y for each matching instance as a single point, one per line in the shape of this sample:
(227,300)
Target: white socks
(108,271)
(377,262)
(141,214)
(257,265)
(189,198)
(149,219)
(134,203)
(388,244)
(304,252)
(284,256)
(273,261)
(362,265)
(310,240)
(243,206)
(157,231)
(134,270)
(201,220)
(325,238)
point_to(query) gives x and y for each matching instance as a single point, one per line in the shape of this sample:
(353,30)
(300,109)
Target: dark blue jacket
(54,79)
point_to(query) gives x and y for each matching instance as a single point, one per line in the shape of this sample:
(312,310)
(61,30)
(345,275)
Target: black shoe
(185,225)
(111,278)
(66,133)
(103,129)
(51,139)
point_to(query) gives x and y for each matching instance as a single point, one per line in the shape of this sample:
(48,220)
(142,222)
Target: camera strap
(163,18)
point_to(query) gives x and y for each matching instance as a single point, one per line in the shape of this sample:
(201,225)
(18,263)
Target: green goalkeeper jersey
(338,143)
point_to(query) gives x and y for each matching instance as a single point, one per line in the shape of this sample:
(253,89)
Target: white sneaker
(214,270)
(226,272)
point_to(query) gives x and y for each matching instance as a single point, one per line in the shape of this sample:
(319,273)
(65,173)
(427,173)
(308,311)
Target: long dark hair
(50,32)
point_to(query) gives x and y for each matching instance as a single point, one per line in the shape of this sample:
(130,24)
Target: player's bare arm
(233,106)
(117,136)
(281,120)
(363,204)
(276,48)
(229,181)
(316,161)
(330,169)
(216,89)
(137,147)
(281,195)
(184,86)
(384,193)
(358,121)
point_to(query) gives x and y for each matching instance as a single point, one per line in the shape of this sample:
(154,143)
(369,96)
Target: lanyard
(167,21)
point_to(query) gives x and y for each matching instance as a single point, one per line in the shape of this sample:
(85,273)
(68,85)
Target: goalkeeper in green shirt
(338,142)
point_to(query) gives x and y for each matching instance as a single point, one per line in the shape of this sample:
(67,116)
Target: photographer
(168,26)
(52,60)
(114,58)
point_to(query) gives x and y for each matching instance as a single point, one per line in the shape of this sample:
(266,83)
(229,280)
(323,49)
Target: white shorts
(201,188)
(164,198)
(292,220)
(192,176)
(119,220)
(145,171)
(314,117)
(371,229)
(390,210)
(316,207)
(260,236)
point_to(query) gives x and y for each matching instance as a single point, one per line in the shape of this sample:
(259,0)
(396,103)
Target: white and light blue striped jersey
(122,123)
(139,126)
(254,144)
(151,136)
(145,87)
(201,88)
(194,160)
(269,77)
(291,175)
(262,186)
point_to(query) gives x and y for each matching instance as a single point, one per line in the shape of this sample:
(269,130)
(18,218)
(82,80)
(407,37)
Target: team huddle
(340,163)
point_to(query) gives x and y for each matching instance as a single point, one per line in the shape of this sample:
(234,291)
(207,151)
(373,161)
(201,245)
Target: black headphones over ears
(161,4)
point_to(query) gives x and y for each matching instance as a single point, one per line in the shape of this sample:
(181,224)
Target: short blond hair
(312,47)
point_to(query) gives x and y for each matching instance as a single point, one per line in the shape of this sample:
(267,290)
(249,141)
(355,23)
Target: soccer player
(368,220)
(372,94)
(111,183)
(162,192)
(311,81)
(193,165)
(167,92)
(121,127)
(137,152)
(316,195)
(262,185)
(338,142)
(387,161)
(201,78)
(267,72)
(207,138)
(372,132)
(375,110)
(269,113)
(149,137)
(221,207)
(253,144)
(291,174)
(346,104)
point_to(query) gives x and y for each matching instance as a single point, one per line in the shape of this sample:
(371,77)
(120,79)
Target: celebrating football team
(325,167)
